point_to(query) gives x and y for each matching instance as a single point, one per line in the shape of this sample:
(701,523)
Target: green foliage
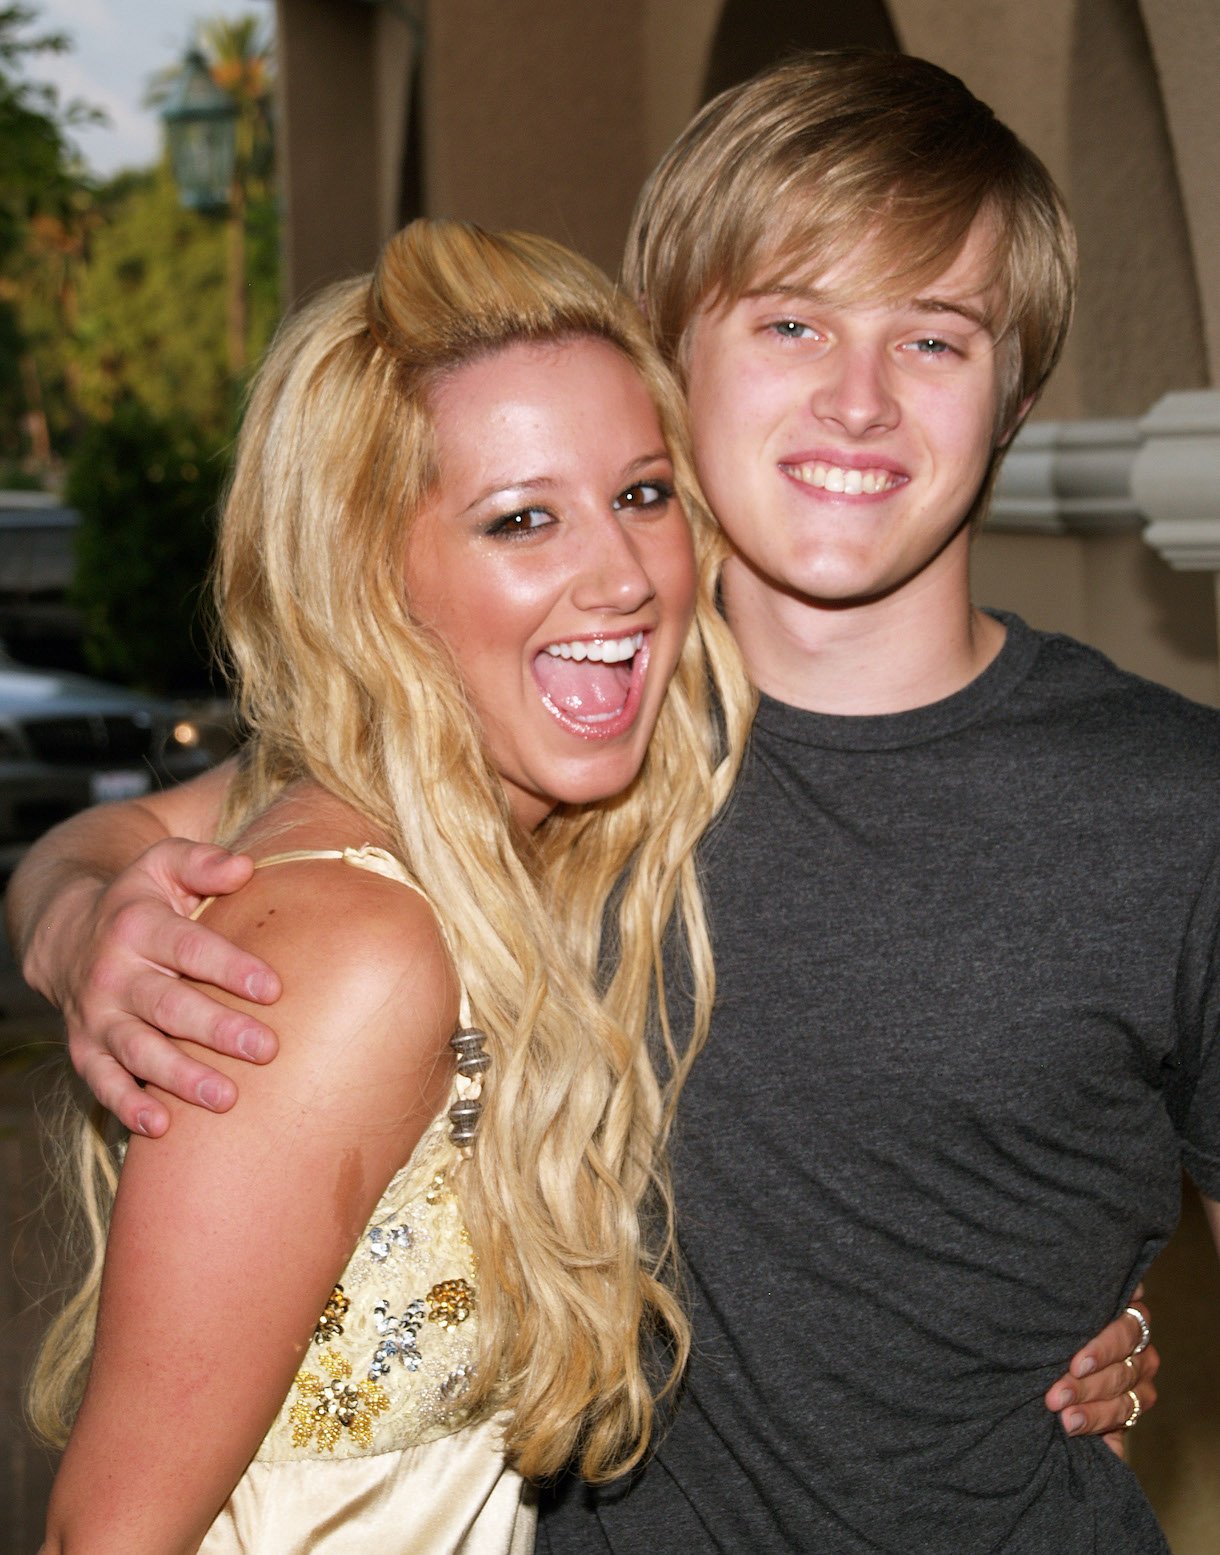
(117,292)
(113,347)
(44,200)
(151,307)
(146,488)
(33,152)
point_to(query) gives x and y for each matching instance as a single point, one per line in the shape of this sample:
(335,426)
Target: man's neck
(914,647)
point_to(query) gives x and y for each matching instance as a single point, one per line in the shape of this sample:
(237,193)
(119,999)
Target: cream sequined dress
(373,1451)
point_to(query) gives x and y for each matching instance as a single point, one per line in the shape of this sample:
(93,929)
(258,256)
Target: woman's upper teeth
(607,650)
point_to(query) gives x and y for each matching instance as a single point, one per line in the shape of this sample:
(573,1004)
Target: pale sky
(118,44)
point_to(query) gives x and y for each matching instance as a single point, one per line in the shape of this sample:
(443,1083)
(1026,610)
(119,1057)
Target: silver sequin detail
(456,1383)
(398,1338)
(383,1239)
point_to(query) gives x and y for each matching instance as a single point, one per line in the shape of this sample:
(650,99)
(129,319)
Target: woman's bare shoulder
(367,977)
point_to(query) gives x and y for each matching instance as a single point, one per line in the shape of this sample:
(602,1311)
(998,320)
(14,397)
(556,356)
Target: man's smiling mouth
(838,478)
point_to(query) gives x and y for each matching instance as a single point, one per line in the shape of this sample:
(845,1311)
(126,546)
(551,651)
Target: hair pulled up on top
(338,684)
(879,157)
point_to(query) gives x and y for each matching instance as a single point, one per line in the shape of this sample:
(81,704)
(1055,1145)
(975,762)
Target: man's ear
(1013,425)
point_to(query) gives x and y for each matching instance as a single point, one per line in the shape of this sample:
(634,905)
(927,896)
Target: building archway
(753,34)
(1139,326)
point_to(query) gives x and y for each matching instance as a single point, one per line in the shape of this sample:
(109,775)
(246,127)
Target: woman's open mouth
(593,685)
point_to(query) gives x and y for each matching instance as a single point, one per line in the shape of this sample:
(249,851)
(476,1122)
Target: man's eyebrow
(969,311)
(965,310)
(785,289)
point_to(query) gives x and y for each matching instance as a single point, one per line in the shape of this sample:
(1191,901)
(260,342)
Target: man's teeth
(604,650)
(839,478)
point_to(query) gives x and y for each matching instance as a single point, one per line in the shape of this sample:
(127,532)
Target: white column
(1175,479)
(1069,478)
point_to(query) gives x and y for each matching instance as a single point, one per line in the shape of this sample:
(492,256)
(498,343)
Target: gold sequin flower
(450,1302)
(330,1324)
(327,1408)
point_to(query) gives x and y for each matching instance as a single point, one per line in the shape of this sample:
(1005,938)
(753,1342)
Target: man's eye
(930,345)
(790,329)
(523,522)
(644,494)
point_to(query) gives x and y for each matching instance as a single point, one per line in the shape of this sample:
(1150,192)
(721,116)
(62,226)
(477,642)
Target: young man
(964,902)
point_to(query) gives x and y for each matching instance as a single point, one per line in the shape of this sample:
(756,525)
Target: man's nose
(853,390)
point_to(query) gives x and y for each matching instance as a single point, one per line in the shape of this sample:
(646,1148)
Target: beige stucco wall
(326,126)
(536,116)
(677,38)
(1111,591)
(1185,40)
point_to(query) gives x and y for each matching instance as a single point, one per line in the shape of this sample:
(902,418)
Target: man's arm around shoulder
(98,914)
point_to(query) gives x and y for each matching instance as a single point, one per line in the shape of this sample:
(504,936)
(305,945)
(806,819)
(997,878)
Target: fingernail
(251,1045)
(210,1093)
(1073,1421)
(143,1122)
(1087,1365)
(260,986)
(1066,1396)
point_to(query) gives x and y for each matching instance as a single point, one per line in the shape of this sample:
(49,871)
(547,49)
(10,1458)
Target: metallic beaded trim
(472,1064)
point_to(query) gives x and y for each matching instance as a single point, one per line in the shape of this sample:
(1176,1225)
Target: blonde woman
(406,1274)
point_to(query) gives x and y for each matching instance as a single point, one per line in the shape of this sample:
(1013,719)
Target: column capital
(1068,478)
(1175,479)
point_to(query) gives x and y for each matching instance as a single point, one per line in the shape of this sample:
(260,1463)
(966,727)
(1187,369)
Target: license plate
(104,786)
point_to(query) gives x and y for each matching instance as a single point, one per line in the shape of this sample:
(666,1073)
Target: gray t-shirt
(964,1040)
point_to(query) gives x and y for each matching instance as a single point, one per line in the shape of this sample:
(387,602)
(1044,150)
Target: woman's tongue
(587,689)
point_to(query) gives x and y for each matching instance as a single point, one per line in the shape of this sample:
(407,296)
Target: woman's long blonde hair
(338,684)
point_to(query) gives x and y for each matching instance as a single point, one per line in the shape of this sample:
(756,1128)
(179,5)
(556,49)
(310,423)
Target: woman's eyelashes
(640,497)
(524,521)
(643,495)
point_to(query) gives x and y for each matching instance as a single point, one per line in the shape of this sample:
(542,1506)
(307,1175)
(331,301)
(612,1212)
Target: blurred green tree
(146,488)
(45,201)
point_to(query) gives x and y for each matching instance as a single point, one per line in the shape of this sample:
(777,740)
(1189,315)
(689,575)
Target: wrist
(47,948)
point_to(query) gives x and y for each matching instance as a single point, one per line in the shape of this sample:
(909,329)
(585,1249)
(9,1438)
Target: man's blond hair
(884,158)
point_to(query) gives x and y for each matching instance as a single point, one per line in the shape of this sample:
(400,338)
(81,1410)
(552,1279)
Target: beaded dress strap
(467,1041)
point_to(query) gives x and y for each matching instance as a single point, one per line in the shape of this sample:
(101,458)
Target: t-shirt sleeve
(1193,1086)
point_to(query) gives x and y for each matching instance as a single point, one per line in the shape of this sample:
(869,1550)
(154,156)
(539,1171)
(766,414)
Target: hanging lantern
(201,127)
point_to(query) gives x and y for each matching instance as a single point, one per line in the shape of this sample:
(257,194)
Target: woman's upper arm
(229,1233)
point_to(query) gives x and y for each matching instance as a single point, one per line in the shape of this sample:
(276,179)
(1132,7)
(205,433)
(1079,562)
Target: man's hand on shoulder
(119,954)
(98,913)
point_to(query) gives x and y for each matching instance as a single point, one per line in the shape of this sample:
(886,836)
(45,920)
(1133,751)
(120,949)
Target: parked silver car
(67,742)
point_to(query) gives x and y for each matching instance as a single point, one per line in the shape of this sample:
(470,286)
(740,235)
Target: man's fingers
(118,1092)
(152,1057)
(206,957)
(197,869)
(154,932)
(180,1010)
(1116,1341)
(1109,1416)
